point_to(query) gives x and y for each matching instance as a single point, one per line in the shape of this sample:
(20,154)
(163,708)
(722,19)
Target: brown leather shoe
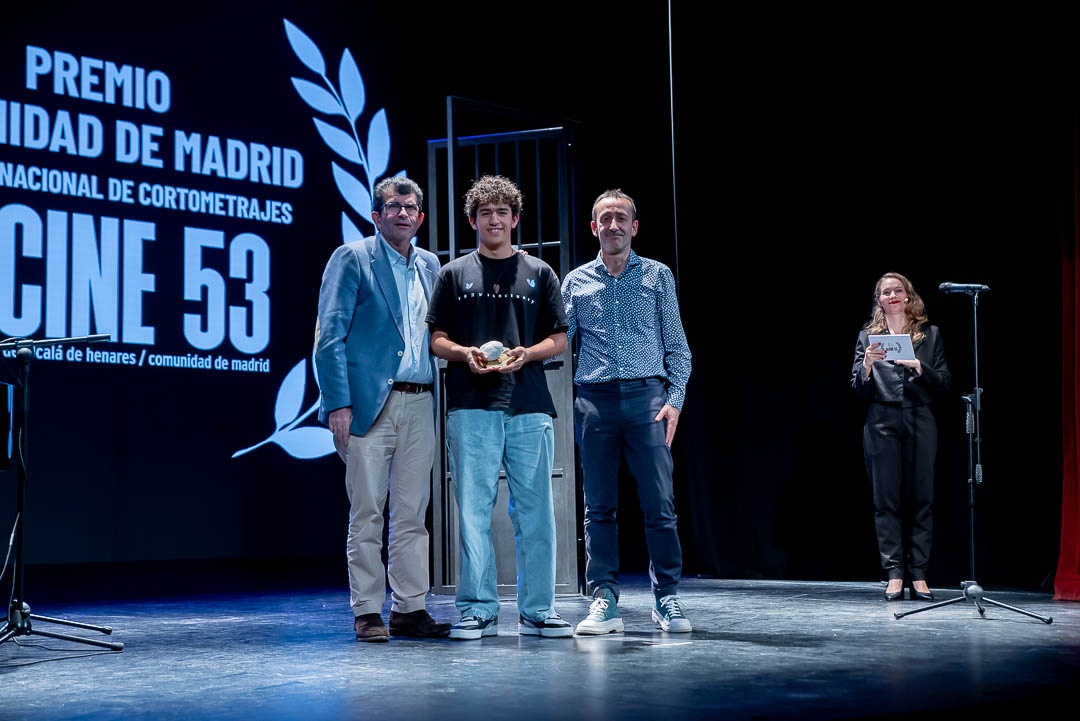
(419,624)
(369,627)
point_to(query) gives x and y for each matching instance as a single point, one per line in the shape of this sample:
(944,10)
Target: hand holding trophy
(495,354)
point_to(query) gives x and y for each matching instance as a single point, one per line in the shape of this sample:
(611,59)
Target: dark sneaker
(603,615)
(669,615)
(551,627)
(369,627)
(471,627)
(418,624)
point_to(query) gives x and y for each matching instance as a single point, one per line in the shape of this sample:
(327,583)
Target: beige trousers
(392,461)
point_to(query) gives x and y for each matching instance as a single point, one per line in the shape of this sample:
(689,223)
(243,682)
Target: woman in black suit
(900,434)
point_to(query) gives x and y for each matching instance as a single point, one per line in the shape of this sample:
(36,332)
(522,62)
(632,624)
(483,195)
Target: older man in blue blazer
(378,382)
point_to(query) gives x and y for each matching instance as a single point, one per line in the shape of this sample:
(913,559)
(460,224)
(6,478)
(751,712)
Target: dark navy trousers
(612,421)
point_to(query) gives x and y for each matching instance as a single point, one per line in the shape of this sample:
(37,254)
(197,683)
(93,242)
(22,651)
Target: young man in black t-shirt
(495,316)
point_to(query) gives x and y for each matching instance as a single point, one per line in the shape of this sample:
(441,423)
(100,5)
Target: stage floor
(759,650)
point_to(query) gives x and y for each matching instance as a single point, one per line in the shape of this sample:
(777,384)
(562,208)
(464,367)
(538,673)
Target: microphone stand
(972,591)
(19,615)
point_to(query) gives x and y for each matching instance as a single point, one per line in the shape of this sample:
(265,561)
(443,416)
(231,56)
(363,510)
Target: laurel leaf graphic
(352,87)
(378,145)
(305,49)
(313,441)
(339,141)
(353,191)
(288,416)
(349,231)
(306,442)
(317,97)
(290,395)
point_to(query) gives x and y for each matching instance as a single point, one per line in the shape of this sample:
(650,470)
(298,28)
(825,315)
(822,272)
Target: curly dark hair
(493,189)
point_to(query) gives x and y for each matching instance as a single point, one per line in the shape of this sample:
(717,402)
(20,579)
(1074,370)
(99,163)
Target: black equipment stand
(19,615)
(972,591)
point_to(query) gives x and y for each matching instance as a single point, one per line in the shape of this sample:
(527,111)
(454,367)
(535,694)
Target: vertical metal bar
(451,238)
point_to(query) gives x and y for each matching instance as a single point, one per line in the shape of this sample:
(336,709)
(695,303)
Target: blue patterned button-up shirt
(628,326)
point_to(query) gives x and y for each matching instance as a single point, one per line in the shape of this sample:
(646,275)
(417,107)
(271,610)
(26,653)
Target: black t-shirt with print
(514,300)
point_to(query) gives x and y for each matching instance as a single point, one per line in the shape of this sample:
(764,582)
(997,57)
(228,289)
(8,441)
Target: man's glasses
(394,208)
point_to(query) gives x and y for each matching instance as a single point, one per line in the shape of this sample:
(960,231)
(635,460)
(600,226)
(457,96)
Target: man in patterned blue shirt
(633,363)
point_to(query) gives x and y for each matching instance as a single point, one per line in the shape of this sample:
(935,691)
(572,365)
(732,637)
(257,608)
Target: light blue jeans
(478,442)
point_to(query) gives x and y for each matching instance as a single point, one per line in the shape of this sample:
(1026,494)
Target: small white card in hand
(897,347)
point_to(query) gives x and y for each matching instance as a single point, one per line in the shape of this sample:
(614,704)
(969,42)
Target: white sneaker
(473,627)
(669,615)
(603,615)
(551,627)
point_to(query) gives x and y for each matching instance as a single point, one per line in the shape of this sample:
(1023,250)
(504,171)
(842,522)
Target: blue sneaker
(603,615)
(472,627)
(669,615)
(551,627)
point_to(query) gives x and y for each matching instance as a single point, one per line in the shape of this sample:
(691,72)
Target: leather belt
(412,387)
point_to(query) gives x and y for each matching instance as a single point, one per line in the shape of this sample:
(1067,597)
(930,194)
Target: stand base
(973,592)
(18,624)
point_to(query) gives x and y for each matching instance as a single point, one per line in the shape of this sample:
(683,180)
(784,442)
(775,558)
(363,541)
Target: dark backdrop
(778,171)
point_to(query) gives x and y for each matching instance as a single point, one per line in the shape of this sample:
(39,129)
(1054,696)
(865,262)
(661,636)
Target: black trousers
(900,448)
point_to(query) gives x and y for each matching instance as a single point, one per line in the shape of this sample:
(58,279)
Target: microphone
(968,288)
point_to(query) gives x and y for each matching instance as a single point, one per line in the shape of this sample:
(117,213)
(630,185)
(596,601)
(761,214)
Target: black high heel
(897,596)
(920,596)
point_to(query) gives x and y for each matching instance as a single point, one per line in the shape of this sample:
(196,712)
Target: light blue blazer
(359,341)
